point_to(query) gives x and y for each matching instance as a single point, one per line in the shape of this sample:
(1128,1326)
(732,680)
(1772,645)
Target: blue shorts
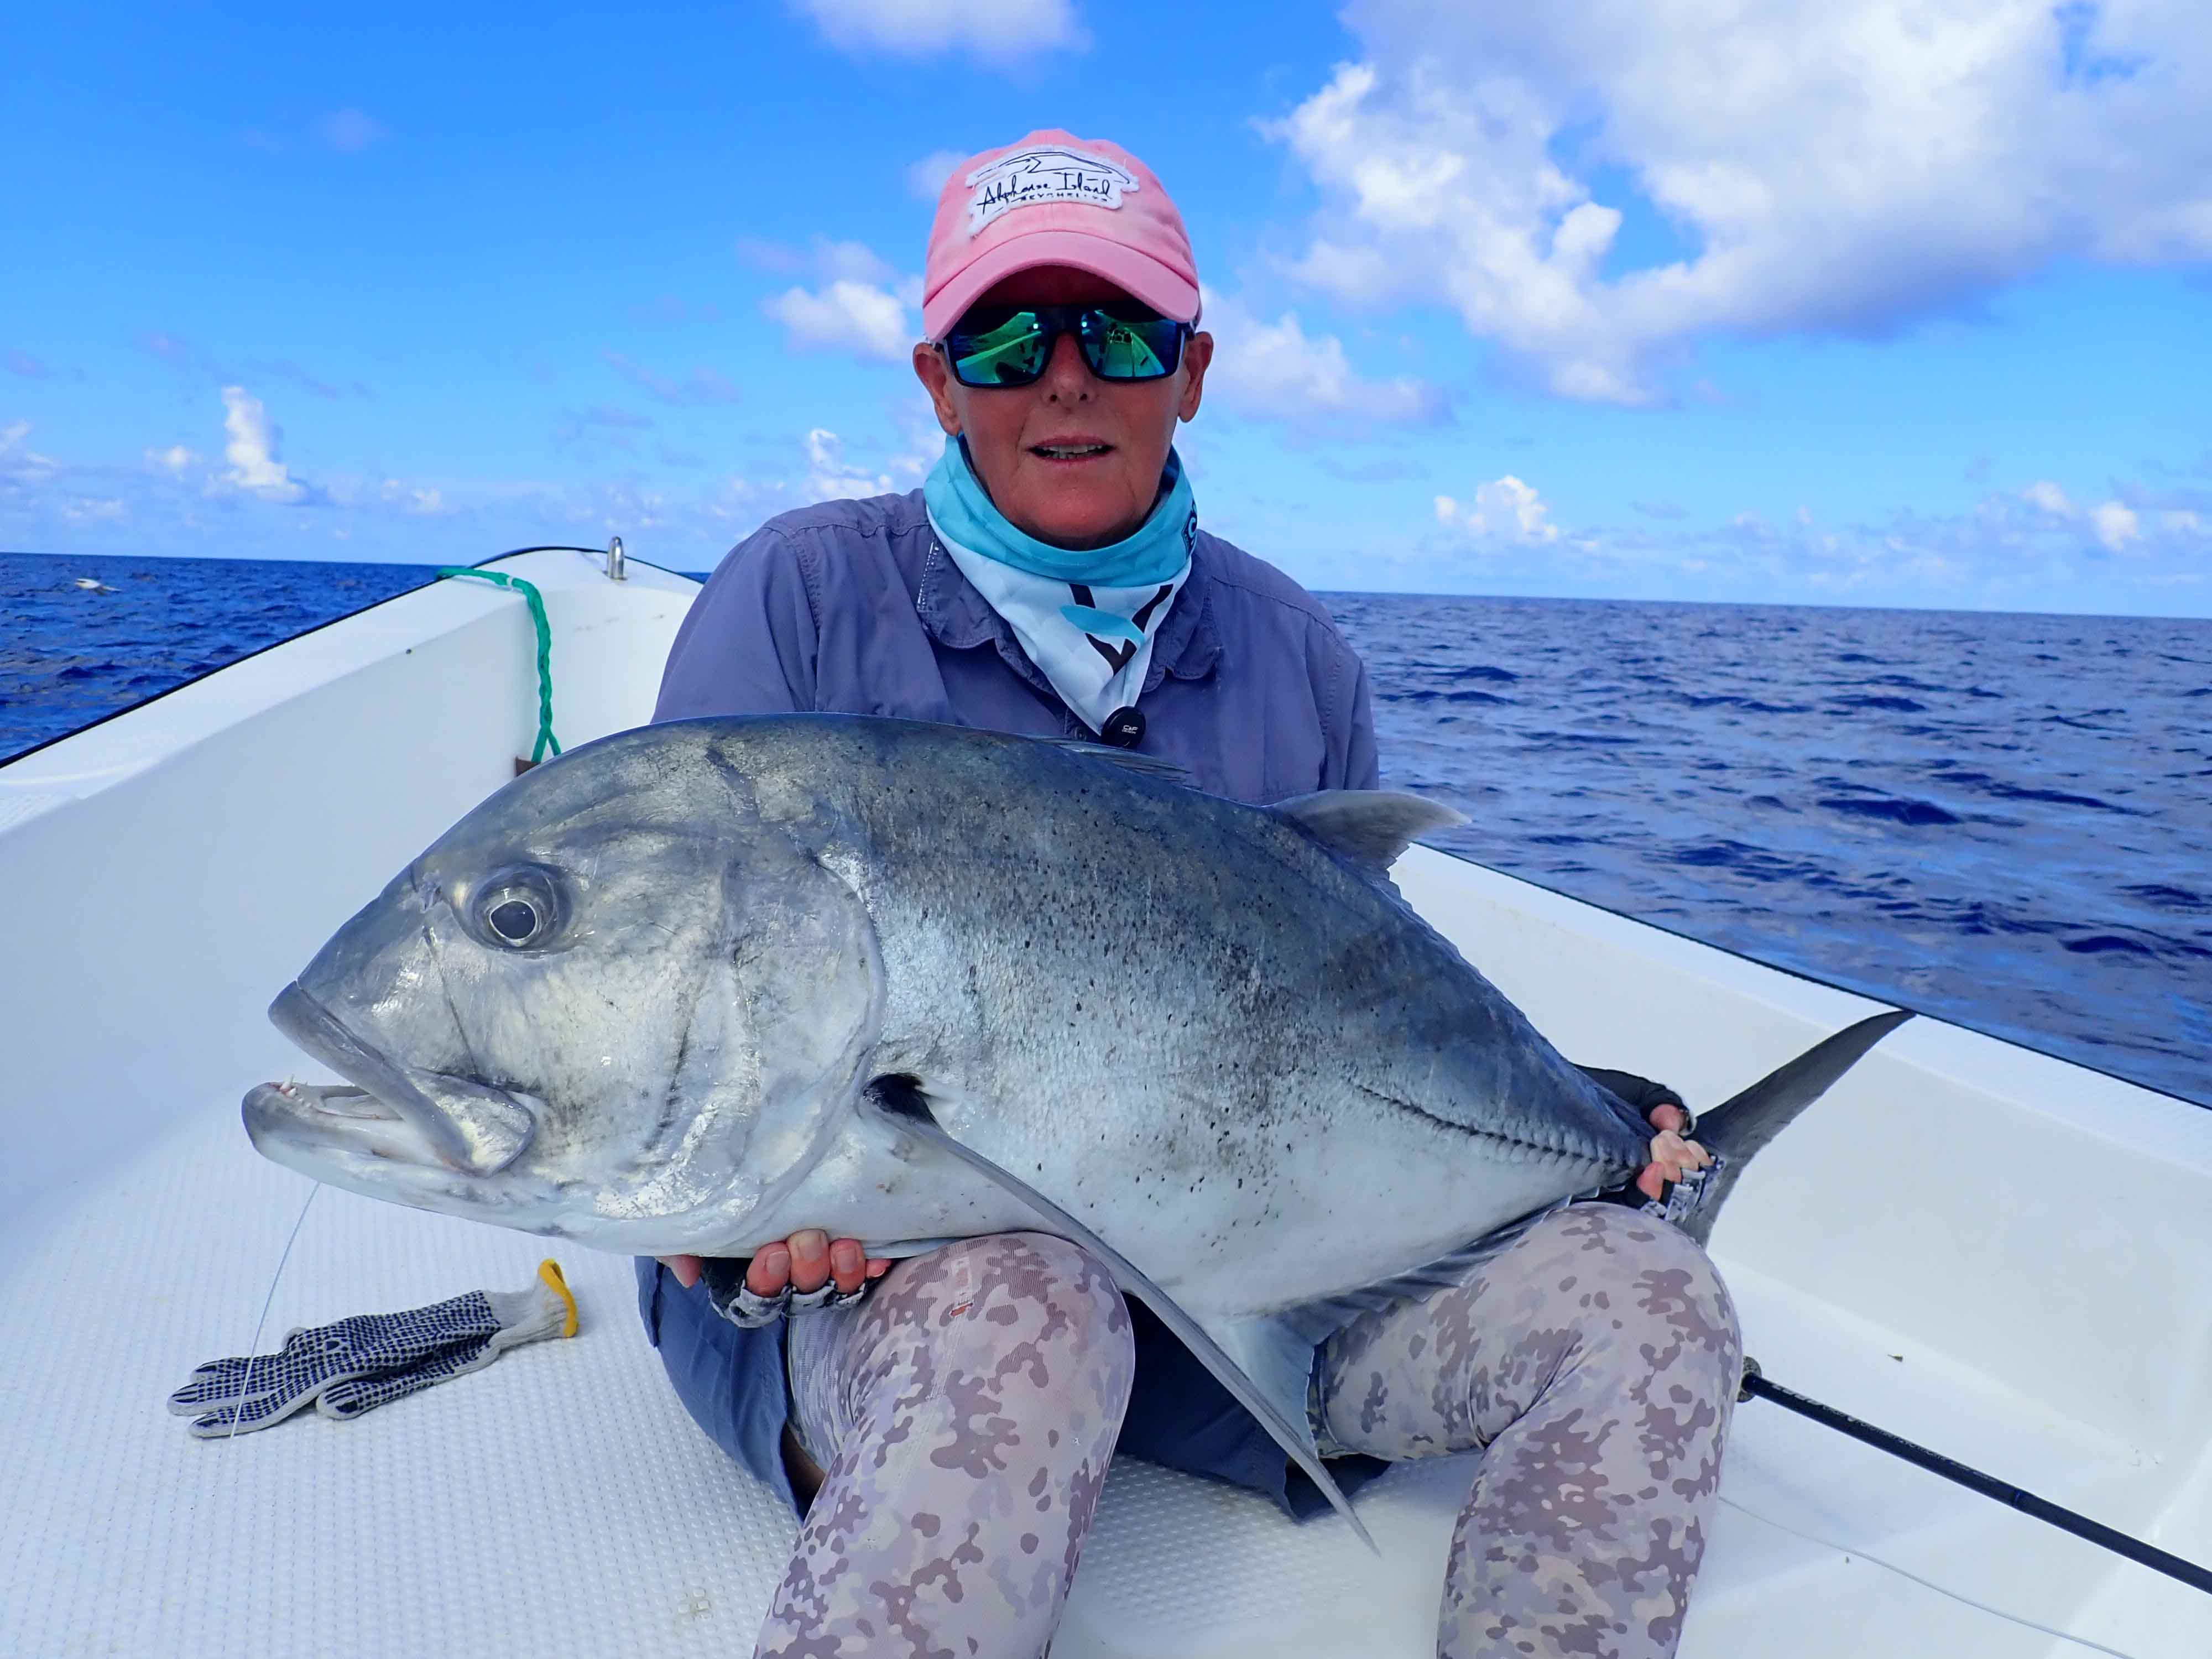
(731,1380)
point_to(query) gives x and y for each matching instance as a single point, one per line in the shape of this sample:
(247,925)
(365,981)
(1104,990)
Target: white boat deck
(1995,1252)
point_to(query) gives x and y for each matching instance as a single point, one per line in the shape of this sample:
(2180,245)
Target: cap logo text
(1029,177)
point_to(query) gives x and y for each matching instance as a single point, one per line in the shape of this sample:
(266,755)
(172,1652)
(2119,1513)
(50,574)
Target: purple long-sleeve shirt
(853,607)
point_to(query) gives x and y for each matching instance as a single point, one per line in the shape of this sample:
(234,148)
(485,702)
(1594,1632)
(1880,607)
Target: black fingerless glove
(1641,1094)
(727,1294)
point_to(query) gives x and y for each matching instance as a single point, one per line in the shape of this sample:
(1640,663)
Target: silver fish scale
(1152,1001)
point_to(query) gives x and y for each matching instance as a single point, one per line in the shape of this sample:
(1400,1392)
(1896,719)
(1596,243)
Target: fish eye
(517,920)
(518,908)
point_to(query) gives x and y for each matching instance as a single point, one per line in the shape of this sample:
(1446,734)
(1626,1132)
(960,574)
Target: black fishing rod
(1755,1386)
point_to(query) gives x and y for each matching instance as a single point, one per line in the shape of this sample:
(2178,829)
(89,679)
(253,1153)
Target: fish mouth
(397,1112)
(323,1120)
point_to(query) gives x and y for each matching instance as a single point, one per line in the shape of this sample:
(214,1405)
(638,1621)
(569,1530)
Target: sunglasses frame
(1067,319)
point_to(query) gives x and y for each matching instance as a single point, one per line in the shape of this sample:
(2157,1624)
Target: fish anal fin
(1367,827)
(1314,1323)
(1262,1362)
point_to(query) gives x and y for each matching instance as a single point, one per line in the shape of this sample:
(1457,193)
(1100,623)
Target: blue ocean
(2005,821)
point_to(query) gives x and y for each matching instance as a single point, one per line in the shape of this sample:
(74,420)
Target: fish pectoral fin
(1366,828)
(1262,1362)
(1273,1356)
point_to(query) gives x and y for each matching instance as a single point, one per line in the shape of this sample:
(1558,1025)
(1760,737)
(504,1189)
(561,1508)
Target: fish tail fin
(1739,1128)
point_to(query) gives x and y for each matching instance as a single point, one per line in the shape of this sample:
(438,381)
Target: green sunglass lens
(1130,351)
(1010,352)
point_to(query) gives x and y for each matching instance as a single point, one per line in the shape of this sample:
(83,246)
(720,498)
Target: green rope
(532,598)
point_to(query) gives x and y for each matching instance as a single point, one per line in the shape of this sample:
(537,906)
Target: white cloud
(2115,526)
(422,503)
(777,258)
(1842,169)
(176,460)
(700,386)
(1276,369)
(919,442)
(830,477)
(926,177)
(861,305)
(1504,509)
(835,261)
(251,450)
(349,130)
(18,461)
(846,316)
(853,262)
(996,30)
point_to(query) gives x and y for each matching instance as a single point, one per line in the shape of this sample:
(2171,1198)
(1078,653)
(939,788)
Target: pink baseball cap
(1055,199)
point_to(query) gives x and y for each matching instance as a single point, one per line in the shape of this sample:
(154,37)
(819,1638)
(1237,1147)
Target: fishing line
(1847,1552)
(253,1346)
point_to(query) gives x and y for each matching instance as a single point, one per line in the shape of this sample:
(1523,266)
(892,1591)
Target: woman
(1050,578)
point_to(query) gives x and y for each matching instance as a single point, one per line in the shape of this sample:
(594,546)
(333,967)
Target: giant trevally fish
(694,987)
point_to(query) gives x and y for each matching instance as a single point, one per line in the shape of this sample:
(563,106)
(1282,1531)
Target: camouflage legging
(963,1416)
(1594,1363)
(969,1407)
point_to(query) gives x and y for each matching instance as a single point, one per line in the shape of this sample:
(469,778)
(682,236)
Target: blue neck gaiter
(1157,550)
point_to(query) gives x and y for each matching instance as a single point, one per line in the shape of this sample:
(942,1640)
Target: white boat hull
(1998,1253)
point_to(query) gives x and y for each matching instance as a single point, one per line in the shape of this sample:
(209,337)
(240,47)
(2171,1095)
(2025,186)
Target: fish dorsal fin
(1263,1362)
(1144,766)
(1367,827)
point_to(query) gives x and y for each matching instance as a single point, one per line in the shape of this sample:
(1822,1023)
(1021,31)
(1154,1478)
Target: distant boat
(1998,1253)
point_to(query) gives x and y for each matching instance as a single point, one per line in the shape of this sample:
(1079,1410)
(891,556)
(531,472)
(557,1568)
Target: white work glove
(359,1363)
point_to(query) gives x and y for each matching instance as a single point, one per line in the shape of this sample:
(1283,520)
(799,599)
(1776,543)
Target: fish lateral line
(1476,1132)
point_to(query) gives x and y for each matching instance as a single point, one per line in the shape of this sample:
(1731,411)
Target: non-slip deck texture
(558,1502)
(561,1503)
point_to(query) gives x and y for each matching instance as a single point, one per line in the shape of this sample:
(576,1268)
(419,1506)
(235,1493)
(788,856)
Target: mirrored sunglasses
(1002,346)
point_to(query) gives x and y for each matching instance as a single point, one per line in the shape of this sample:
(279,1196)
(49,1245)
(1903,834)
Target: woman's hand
(1672,1157)
(806,1261)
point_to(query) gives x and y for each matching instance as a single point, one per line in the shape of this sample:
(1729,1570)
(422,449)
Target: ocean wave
(2165,897)
(1895,809)
(1894,705)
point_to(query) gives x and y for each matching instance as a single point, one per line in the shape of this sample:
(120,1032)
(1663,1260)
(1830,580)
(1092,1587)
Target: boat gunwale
(98,721)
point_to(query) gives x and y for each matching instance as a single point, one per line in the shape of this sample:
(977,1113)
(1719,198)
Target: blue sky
(1885,306)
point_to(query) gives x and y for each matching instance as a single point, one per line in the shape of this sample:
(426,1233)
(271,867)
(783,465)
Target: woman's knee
(1028,1305)
(1640,1283)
